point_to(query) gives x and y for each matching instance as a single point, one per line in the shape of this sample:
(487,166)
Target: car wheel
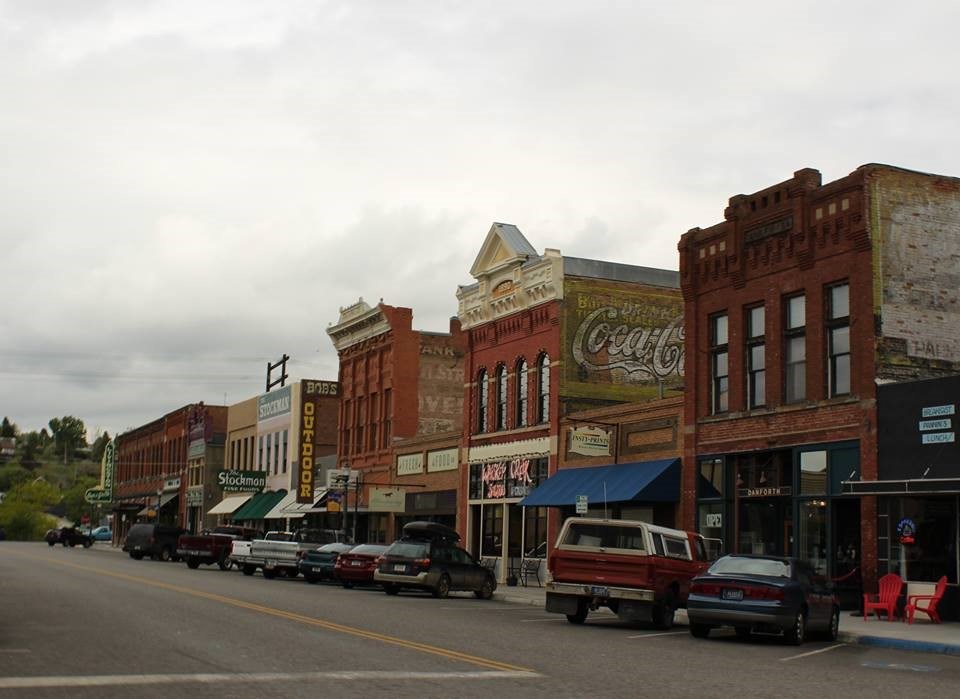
(664,615)
(796,631)
(136,556)
(442,589)
(225,563)
(391,588)
(486,590)
(347,584)
(51,543)
(833,631)
(699,630)
(193,563)
(310,578)
(164,554)
(87,543)
(249,570)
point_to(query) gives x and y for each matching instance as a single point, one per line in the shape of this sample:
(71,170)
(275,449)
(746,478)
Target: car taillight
(707,589)
(763,592)
(422,562)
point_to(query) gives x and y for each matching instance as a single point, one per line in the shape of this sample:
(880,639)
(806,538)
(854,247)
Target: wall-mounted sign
(937,438)
(340,478)
(713,520)
(273,404)
(409,464)
(442,460)
(171,484)
(581,504)
(937,410)
(765,491)
(387,499)
(232,481)
(589,441)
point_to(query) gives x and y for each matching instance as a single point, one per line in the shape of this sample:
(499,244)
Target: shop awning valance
(259,505)
(645,481)
(229,504)
(164,499)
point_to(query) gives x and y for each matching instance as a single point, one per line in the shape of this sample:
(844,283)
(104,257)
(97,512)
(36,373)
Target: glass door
(812,534)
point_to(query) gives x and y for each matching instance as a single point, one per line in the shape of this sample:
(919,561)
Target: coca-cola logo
(642,353)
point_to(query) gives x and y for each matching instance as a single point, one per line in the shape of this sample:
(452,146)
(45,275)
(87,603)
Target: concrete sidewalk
(921,635)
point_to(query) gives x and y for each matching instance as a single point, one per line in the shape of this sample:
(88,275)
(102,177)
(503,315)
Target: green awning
(259,505)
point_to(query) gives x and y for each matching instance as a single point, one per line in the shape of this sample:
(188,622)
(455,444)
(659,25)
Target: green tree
(10,475)
(69,433)
(99,446)
(8,429)
(21,513)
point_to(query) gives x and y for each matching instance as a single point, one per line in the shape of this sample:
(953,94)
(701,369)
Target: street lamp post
(159,497)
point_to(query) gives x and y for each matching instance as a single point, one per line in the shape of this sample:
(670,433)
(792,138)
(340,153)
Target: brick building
(547,336)
(151,464)
(397,383)
(797,305)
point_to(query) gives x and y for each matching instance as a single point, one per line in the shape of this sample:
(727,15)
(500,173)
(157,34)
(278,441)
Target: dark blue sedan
(764,595)
(319,564)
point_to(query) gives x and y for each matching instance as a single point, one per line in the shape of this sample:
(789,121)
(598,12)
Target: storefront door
(765,526)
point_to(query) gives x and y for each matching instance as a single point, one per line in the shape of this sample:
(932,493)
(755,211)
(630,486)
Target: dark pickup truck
(213,545)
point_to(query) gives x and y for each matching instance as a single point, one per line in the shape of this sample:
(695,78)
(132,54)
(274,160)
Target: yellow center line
(300,618)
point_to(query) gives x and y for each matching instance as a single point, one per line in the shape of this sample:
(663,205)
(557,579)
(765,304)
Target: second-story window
(543,388)
(719,364)
(795,349)
(501,397)
(521,394)
(838,340)
(482,397)
(756,358)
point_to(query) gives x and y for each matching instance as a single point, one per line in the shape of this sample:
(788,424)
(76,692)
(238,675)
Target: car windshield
(741,565)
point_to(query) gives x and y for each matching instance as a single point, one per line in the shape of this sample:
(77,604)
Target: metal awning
(907,486)
(646,481)
(229,504)
(280,510)
(164,499)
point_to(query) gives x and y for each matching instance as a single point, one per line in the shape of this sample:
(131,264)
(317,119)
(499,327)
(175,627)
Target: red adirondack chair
(926,603)
(886,599)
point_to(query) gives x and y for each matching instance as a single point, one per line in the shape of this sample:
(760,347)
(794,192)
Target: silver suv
(428,558)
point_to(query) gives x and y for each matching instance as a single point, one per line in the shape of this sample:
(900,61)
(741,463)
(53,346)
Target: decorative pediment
(504,247)
(358,322)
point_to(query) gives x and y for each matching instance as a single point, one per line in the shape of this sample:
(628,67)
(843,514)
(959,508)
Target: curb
(901,644)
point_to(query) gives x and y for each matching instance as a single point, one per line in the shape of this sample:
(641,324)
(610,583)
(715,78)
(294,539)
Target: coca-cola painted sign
(622,335)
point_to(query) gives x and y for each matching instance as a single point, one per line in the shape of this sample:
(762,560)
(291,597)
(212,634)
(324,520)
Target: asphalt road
(94,623)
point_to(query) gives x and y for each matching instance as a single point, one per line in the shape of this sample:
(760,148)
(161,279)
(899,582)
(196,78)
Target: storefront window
(711,478)
(813,473)
(492,531)
(535,532)
(933,551)
(812,533)
(711,527)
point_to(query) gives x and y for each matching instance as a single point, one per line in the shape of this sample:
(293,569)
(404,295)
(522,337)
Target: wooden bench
(530,566)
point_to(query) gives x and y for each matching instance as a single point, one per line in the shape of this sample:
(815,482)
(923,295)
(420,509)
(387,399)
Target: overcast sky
(190,189)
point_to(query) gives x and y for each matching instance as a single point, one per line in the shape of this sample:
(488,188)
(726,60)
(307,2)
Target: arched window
(521,394)
(501,397)
(543,388)
(482,397)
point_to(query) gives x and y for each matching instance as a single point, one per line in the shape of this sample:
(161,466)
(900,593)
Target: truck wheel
(193,563)
(664,615)
(225,563)
(164,554)
(391,588)
(580,615)
(51,543)
(269,573)
(249,570)
(347,585)
(136,555)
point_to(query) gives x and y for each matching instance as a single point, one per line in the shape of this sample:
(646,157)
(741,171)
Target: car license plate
(356,563)
(399,568)
(599,591)
(732,594)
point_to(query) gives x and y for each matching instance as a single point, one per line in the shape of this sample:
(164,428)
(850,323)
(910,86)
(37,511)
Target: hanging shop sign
(589,441)
(387,499)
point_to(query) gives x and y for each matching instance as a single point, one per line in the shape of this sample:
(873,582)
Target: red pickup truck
(212,546)
(639,571)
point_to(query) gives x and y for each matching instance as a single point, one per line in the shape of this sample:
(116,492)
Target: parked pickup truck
(280,552)
(639,571)
(212,545)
